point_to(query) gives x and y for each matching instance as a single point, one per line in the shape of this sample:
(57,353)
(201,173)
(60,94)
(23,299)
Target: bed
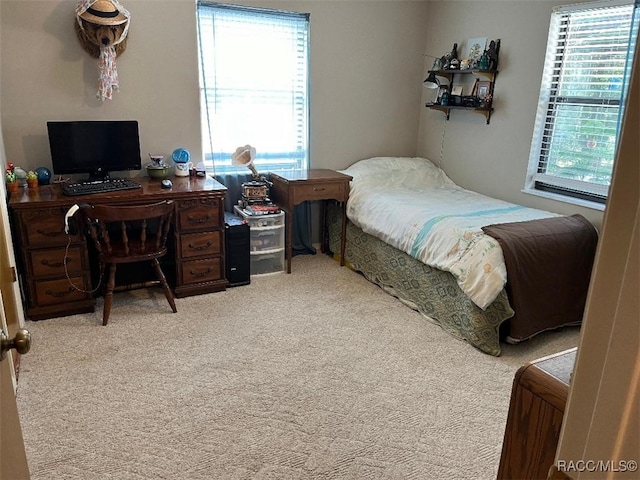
(481,268)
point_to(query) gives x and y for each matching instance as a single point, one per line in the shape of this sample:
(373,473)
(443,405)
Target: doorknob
(21,342)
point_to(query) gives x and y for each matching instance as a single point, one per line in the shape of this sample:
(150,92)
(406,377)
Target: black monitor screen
(94,147)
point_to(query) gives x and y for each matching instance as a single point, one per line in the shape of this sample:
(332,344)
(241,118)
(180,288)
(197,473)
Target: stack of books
(261,209)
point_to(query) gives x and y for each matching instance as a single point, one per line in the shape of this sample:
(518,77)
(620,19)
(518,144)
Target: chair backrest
(129,233)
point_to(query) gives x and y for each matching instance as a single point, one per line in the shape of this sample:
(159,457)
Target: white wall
(492,159)
(366,69)
(367,66)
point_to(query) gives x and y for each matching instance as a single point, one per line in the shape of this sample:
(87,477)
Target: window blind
(585,77)
(254,85)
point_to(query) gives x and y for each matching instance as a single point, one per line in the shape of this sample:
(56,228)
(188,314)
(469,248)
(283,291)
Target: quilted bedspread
(412,205)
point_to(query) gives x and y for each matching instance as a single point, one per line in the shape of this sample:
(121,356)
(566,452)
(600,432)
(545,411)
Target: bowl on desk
(158,171)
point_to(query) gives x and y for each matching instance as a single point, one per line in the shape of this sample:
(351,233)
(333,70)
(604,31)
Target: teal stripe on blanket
(426,228)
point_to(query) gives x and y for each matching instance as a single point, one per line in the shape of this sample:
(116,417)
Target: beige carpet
(313,375)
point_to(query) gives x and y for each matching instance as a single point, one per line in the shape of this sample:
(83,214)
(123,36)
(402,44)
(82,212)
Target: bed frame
(436,294)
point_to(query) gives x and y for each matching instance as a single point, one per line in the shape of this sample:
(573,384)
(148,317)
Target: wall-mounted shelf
(485,75)
(489,75)
(447,109)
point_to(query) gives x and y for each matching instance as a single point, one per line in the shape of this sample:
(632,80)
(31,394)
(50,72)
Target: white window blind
(254,86)
(586,73)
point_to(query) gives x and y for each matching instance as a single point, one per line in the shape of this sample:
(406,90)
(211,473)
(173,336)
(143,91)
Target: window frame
(538,181)
(217,158)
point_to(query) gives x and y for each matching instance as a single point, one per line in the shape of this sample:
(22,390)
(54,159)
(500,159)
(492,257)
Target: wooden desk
(294,187)
(536,411)
(195,260)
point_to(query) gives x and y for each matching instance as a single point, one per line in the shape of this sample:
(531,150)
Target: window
(586,74)
(254,87)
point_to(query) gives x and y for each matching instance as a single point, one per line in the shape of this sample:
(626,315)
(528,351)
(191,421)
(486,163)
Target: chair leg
(165,286)
(108,293)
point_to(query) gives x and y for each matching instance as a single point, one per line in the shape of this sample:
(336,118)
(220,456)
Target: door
(13,461)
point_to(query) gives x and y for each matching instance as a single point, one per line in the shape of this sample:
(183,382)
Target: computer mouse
(166,183)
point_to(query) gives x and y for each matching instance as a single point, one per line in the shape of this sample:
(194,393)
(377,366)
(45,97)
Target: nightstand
(536,411)
(293,187)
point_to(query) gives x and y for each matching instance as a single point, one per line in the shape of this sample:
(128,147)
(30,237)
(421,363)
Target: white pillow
(410,172)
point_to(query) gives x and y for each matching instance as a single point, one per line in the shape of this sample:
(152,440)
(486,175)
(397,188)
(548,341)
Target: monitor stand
(96,177)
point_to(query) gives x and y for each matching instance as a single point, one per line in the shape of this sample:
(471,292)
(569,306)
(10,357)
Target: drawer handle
(201,247)
(46,263)
(61,294)
(192,219)
(44,233)
(319,189)
(201,274)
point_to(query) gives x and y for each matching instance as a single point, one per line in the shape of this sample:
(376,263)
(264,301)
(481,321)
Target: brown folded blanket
(548,265)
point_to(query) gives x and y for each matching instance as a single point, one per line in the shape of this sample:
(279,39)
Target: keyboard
(100,186)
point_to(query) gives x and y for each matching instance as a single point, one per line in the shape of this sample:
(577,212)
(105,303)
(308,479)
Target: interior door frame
(13,459)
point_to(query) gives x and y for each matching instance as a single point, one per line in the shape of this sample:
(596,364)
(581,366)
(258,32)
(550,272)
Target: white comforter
(412,205)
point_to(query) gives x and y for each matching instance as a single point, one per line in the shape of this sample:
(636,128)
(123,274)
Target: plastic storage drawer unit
(266,234)
(267,263)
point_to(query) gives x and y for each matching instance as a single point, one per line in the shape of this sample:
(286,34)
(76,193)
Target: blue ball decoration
(181,155)
(44,175)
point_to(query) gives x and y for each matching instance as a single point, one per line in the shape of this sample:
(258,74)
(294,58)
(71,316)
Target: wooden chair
(128,234)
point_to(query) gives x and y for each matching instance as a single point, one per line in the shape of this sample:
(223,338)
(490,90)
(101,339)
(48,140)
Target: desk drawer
(60,291)
(45,228)
(50,262)
(200,271)
(199,244)
(318,191)
(199,214)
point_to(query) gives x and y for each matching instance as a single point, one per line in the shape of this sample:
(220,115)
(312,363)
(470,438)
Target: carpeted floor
(313,375)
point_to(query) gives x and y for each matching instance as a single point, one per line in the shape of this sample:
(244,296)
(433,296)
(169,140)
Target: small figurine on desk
(32,179)
(10,178)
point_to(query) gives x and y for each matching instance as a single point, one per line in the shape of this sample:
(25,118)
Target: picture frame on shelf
(475,48)
(456,90)
(481,89)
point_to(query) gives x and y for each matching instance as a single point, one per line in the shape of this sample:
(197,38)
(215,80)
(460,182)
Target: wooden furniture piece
(194,265)
(483,108)
(129,234)
(536,410)
(294,187)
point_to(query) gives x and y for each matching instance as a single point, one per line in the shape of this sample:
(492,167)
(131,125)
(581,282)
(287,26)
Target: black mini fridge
(238,256)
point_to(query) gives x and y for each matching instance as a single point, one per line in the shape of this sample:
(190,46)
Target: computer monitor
(94,147)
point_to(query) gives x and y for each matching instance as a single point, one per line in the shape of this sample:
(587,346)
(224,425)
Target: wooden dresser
(194,264)
(536,410)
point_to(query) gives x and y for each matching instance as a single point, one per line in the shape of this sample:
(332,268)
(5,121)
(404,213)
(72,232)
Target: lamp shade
(431,81)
